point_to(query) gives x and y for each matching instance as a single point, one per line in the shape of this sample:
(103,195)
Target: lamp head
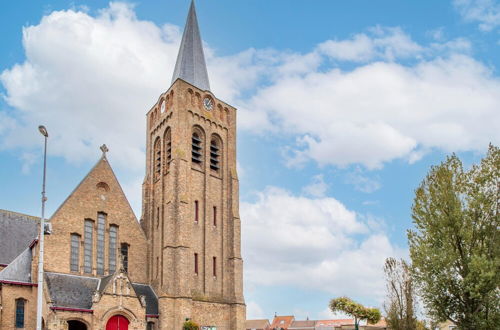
(43,130)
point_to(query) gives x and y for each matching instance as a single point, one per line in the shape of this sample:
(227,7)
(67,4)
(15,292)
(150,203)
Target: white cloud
(382,43)
(484,12)
(362,182)
(90,80)
(289,240)
(254,311)
(317,188)
(383,111)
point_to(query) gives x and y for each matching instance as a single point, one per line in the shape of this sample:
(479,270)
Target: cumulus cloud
(91,79)
(290,239)
(484,12)
(317,188)
(381,111)
(362,182)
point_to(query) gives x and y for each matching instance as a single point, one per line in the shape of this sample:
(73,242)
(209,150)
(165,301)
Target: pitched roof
(190,65)
(17,232)
(70,290)
(257,324)
(149,294)
(332,323)
(19,270)
(282,322)
(302,325)
(74,291)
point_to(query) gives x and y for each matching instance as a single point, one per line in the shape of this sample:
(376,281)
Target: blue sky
(343,107)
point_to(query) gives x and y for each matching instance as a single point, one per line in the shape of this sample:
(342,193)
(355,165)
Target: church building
(104,269)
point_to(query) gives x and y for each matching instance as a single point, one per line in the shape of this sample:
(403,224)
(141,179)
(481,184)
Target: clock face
(208,103)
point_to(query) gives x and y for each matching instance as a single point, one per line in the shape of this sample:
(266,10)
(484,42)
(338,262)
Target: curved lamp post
(44,132)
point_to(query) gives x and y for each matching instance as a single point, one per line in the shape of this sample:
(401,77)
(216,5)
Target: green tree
(358,311)
(455,247)
(400,303)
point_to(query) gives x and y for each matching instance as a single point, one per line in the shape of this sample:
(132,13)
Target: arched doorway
(117,322)
(76,325)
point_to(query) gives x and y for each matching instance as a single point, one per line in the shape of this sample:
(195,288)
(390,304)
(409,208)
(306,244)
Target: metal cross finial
(104,149)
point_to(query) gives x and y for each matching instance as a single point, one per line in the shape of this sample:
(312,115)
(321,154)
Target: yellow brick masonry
(168,212)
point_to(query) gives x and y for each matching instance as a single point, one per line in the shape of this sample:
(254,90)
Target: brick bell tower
(190,198)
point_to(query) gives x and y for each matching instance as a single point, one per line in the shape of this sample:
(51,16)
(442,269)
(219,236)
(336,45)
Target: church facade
(104,269)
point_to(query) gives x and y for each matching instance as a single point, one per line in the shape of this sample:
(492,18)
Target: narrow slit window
(196,263)
(75,253)
(88,246)
(215,216)
(214,266)
(124,254)
(101,225)
(214,155)
(196,151)
(113,233)
(157,217)
(20,313)
(196,211)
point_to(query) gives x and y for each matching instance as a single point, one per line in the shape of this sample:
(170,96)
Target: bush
(190,325)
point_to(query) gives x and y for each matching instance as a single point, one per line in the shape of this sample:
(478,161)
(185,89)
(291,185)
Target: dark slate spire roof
(190,64)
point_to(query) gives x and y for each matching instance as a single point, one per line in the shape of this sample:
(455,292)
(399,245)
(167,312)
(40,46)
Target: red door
(117,322)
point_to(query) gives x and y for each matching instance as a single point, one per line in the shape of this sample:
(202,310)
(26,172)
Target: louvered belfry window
(196,151)
(113,231)
(157,158)
(214,155)
(168,148)
(101,224)
(88,242)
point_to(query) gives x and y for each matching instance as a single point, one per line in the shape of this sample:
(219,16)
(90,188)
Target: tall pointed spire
(190,65)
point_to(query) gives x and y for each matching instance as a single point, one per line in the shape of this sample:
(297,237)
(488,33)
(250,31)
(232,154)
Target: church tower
(190,198)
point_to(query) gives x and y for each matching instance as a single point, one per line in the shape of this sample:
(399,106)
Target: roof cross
(104,149)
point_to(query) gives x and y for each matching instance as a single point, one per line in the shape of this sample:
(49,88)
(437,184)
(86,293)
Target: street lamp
(44,132)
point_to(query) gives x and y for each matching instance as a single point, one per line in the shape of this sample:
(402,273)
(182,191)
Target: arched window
(215,153)
(168,149)
(20,312)
(113,233)
(157,158)
(75,253)
(88,243)
(196,148)
(101,225)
